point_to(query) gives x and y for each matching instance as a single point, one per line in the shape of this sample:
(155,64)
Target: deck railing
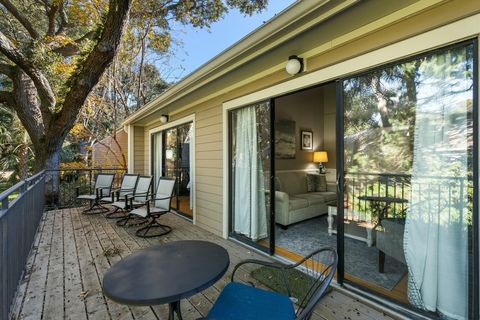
(448,191)
(64,183)
(22,207)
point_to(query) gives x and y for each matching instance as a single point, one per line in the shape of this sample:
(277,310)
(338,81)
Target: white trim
(226,180)
(451,33)
(130,145)
(427,41)
(193,166)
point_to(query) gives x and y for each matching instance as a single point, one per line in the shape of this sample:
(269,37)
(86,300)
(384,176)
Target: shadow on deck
(72,252)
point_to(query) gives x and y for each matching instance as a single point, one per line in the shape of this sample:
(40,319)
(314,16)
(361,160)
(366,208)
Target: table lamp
(320,157)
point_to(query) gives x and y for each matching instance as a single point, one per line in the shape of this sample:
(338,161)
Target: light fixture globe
(164,118)
(294,65)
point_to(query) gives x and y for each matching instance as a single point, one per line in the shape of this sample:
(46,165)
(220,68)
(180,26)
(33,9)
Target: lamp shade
(320,156)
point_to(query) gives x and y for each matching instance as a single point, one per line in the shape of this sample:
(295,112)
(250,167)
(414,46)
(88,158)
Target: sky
(198,46)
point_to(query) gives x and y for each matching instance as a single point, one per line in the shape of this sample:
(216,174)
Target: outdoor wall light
(294,65)
(164,118)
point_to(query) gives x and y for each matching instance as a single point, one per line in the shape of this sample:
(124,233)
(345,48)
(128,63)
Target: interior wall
(329,127)
(312,110)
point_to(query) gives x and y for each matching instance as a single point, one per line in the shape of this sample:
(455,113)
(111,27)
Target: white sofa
(293,203)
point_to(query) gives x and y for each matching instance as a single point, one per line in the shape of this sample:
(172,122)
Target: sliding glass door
(408,138)
(172,158)
(251,174)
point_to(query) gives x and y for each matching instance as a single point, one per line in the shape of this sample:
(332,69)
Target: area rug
(361,261)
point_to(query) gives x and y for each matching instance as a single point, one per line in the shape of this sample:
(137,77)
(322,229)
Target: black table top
(383,199)
(166,273)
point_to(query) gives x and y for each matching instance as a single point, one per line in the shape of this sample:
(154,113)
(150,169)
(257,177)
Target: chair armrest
(99,192)
(166,198)
(282,196)
(332,186)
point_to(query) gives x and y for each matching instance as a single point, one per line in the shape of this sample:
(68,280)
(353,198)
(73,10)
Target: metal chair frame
(153,216)
(96,206)
(116,194)
(123,221)
(322,273)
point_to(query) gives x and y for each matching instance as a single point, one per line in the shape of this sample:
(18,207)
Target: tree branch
(45,92)
(71,49)
(63,19)
(52,17)
(95,64)
(21,18)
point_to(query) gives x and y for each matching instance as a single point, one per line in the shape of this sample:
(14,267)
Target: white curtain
(250,216)
(436,230)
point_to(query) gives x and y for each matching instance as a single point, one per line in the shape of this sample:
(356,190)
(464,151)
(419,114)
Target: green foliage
(15,152)
(65,33)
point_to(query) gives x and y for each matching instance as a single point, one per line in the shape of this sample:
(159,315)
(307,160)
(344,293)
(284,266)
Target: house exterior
(390,90)
(111,152)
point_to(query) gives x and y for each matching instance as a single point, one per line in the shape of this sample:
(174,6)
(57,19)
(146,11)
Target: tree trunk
(47,156)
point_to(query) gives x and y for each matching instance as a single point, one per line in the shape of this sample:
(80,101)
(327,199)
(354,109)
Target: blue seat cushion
(243,302)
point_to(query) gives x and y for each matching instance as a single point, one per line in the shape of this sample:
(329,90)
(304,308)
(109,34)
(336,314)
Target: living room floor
(361,261)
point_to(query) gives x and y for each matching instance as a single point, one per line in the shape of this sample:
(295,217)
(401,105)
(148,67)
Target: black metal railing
(448,192)
(62,184)
(22,207)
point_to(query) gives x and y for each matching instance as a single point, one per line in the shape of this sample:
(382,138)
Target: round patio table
(166,273)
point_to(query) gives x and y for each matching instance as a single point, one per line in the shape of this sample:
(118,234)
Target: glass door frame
(161,130)
(474,262)
(474,275)
(270,249)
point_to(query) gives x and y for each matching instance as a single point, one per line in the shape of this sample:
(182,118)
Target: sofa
(293,202)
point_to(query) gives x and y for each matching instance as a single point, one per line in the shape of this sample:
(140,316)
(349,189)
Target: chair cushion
(293,182)
(106,199)
(296,203)
(318,197)
(242,302)
(87,197)
(142,212)
(312,198)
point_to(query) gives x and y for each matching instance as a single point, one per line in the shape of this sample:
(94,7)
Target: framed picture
(285,146)
(306,139)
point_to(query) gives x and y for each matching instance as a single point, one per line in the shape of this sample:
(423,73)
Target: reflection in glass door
(251,175)
(172,158)
(408,180)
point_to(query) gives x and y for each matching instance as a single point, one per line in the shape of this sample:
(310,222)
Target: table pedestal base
(174,307)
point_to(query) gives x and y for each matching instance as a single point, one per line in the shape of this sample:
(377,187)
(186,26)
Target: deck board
(69,258)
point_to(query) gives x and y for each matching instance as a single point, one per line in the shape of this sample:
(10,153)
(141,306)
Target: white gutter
(278,23)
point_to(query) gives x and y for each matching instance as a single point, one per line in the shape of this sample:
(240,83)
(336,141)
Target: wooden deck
(72,252)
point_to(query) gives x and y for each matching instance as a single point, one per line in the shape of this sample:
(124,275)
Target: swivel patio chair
(102,188)
(129,183)
(239,301)
(155,206)
(132,200)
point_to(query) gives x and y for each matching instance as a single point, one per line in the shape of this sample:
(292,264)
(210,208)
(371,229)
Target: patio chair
(103,187)
(133,199)
(246,302)
(129,183)
(155,206)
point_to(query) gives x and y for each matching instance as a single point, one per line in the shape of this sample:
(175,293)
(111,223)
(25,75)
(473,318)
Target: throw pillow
(322,183)
(312,182)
